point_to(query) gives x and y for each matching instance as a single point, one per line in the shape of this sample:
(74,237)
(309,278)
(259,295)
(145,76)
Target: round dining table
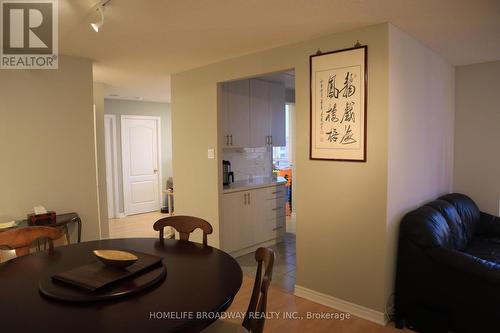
(201,282)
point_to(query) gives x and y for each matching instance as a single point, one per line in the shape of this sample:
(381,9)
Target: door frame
(158,138)
(113,159)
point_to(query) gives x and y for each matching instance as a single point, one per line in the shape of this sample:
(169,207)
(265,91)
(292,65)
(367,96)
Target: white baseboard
(341,305)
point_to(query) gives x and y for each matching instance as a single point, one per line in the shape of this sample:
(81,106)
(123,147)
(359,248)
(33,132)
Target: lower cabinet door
(234,221)
(252,217)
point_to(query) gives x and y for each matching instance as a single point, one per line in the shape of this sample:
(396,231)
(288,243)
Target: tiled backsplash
(249,163)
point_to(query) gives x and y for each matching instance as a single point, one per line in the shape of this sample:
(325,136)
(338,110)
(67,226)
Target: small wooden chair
(184,225)
(255,315)
(21,239)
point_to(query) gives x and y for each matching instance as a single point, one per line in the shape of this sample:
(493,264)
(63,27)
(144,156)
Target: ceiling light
(97,25)
(100,9)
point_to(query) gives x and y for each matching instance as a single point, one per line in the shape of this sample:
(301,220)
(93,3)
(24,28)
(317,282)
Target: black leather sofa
(448,268)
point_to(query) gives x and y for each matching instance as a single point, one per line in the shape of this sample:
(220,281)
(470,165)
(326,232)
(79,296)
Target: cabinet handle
(245,199)
(271,139)
(274,229)
(227,140)
(276,192)
(267,139)
(249,198)
(231,136)
(277,208)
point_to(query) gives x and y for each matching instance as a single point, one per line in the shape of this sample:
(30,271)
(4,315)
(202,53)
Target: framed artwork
(338,105)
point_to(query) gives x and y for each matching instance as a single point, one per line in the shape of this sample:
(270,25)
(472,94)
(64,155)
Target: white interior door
(141,164)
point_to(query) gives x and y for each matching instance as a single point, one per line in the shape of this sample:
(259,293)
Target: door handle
(247,198)
(155,170)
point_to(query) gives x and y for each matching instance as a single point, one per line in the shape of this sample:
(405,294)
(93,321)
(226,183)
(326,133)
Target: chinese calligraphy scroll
(338,105)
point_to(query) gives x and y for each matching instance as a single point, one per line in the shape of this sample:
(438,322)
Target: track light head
(98,24)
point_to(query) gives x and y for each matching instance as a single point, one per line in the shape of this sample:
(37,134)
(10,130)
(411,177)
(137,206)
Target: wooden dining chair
(255,315)
(21,239)
(184,225)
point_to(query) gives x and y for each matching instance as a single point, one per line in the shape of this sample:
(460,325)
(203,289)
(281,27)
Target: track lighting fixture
(100,9)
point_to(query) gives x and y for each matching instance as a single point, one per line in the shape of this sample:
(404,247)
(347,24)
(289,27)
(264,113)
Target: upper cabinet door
(277,111)
(253,114)
(238,111)
(224,114)
(260,117)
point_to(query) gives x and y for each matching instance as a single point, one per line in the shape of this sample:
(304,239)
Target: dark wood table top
(199,280)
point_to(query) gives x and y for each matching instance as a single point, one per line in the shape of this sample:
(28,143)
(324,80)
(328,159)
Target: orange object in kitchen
(287,174)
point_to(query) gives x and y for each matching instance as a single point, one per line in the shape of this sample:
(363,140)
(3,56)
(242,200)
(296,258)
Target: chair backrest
(184,225)
(21,239)
(255,315)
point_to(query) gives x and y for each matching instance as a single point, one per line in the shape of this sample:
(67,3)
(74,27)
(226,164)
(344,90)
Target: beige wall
(421,120)
(341,207)
(101,157)
(477,134)
(140,108)
(47,142)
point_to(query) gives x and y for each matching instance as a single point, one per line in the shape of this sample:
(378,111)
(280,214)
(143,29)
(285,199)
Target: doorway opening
(138,156)
(252,162)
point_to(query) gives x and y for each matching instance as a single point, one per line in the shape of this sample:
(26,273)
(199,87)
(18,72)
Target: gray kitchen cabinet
(252,218)
(253,114)
(236,114)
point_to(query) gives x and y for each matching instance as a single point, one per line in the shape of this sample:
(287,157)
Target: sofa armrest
(488,225)
(466,263)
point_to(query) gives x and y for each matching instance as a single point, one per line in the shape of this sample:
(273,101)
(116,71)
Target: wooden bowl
(115,258)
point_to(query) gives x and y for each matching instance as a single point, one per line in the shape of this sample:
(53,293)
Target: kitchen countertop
(260,182)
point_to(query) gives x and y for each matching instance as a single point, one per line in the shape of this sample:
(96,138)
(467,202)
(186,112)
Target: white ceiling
(144,41)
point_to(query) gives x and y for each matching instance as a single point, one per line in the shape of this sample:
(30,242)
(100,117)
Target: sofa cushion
(468,211)
(427,228)
(487,248)
(458,236)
